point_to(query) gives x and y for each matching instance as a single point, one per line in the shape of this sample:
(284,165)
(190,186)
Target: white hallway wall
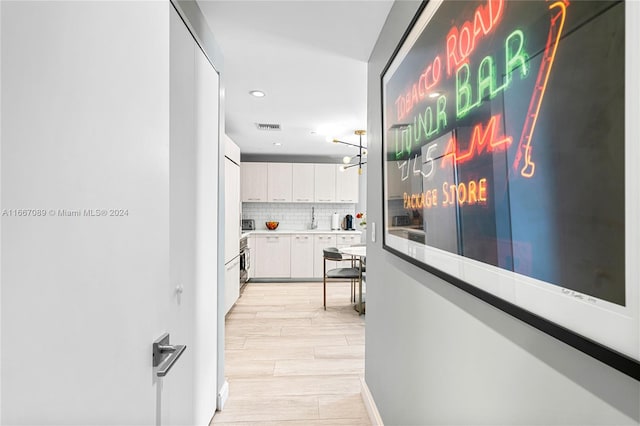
(75,286)
(437,355)
(0,210)
(85,108)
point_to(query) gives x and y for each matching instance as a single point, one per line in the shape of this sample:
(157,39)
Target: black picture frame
(590,346)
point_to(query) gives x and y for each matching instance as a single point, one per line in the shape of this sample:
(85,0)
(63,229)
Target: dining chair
(352,273)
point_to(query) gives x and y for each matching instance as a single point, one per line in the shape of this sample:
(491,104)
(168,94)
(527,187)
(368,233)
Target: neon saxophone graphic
(524,147)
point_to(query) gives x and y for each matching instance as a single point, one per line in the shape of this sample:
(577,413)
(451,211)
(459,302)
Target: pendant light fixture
(362,152)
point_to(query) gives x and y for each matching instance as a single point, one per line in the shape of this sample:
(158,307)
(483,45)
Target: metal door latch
(165,355)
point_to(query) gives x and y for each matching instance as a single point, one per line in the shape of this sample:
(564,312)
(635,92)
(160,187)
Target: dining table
(357,252)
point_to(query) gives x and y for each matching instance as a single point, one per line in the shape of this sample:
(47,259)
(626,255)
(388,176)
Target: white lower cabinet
(302,256)
(347,240)
(320,242)
(231,283)
(273,256)
(297,255)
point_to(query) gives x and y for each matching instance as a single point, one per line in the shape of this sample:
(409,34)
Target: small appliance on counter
(248,225)
(347,223)
(335,222)
(402,220)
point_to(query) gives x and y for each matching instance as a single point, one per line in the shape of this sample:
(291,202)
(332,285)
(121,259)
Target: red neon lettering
(399,107)
(462,193)
(436,70)
(482,21)
(421,85)
(452,59)
(466,41)
(418,90)
(495,11)
(432,74)
(427,85)
(432,198)
(524,146)
(462,41)
(453,194)
(472,192)
(488,140)
(450,152)
(422,200)
(482,194)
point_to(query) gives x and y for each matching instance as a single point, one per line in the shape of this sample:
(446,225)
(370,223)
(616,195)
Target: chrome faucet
(314,224)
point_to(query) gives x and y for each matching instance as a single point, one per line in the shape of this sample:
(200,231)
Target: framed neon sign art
(506,167)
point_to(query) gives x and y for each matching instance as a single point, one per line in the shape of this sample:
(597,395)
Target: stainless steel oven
(245,262)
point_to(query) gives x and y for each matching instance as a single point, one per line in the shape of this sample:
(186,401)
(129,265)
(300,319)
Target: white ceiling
(309,57)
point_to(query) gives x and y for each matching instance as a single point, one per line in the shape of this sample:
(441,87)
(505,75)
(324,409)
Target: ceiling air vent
(267,126)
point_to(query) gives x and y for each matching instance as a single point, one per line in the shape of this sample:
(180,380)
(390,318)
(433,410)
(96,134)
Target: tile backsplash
(296,216)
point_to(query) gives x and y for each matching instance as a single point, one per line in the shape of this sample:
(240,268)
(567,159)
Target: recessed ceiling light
(434,95)
(257,93)
(277,144)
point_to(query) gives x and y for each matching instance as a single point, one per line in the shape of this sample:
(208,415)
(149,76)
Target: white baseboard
(370,405)
(223,395)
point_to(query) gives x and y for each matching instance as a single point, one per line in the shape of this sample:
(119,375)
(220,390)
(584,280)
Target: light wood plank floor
(289,362)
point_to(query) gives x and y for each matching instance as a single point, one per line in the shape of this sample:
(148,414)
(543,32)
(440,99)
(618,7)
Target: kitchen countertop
(296,231)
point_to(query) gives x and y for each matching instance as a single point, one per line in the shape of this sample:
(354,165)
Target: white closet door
(177,388)
(207,140)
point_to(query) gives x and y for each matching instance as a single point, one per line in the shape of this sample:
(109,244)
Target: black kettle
(347,223)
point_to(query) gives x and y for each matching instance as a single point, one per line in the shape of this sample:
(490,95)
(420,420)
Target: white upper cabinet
(347,185)
(254,182)
(279,177)
(303,183)
(325,183)
(299,183)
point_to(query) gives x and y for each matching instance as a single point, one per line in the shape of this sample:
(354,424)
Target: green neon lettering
(441,114)
(463,91)
(487,78)
(398,148)
(418,125)
(406,139)
(424,125)
(429,116)
(515,56)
